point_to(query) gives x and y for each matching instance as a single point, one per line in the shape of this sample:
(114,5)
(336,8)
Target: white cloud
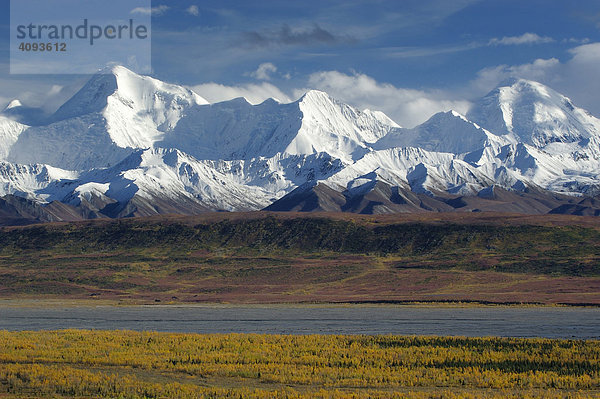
(539,70)
(575,40)
(526,38)
(150,11)
(4,102)
(55,89)
(586,53)
(193,10)
(414,52)
(408,107)
(254,93)
(264,71)
(39,93)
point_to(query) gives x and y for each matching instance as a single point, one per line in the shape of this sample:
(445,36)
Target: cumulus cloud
(150,11)
(264,71)
(193,10)
(408,107)
(38,93)
(287,36)
(254,93)
(574,40)
(538,70)
(526,38)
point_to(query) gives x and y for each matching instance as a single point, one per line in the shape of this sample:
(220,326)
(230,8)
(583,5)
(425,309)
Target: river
(550,322)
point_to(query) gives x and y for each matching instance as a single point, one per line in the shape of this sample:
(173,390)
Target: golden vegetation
(126,364)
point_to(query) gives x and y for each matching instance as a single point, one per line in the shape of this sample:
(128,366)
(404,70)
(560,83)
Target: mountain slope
(315,123)
(118,111)
(162,176)
(115,112)
(10,130)
(130,145)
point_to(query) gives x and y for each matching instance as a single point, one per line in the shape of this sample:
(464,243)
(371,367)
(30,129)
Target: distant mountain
(131,145)
(116,112)
(528,112)
(315,123)
(443,132)
(30,116)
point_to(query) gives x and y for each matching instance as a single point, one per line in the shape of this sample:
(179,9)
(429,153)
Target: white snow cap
(13,104)
(124,135)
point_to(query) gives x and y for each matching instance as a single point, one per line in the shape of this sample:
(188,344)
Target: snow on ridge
(9,134)
(13,104)
(126,135)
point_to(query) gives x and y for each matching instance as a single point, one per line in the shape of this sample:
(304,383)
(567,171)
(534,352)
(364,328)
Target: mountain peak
(13,104)
(534,90)
(135,138)
(446,132)
(530,112)
(271,101)
(455,114)
(521,84)
(135,91)
(18,112)
(92,97)
(315,95)
(243,101)
(115,69)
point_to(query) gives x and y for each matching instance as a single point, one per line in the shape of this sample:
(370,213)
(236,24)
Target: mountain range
(130,145)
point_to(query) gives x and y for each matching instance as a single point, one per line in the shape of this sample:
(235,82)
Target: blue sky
(407,58)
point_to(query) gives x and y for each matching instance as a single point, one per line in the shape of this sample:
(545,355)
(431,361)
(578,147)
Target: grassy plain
(292,258)
(126,364)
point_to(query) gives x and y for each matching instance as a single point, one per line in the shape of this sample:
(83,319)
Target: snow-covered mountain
(443,132)
(129,145)
(315,123)
(531,113)
(116,112)
(10,130)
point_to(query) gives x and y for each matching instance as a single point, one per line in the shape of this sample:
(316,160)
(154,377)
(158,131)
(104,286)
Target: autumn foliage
(126,364)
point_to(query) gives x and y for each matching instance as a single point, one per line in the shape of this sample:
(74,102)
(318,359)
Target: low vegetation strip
(303,259)
(550,249)
(79,363)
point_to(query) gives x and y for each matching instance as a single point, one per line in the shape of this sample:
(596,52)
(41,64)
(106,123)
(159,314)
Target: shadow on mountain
(381,198)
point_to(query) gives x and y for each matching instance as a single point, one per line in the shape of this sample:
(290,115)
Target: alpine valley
(130,145)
